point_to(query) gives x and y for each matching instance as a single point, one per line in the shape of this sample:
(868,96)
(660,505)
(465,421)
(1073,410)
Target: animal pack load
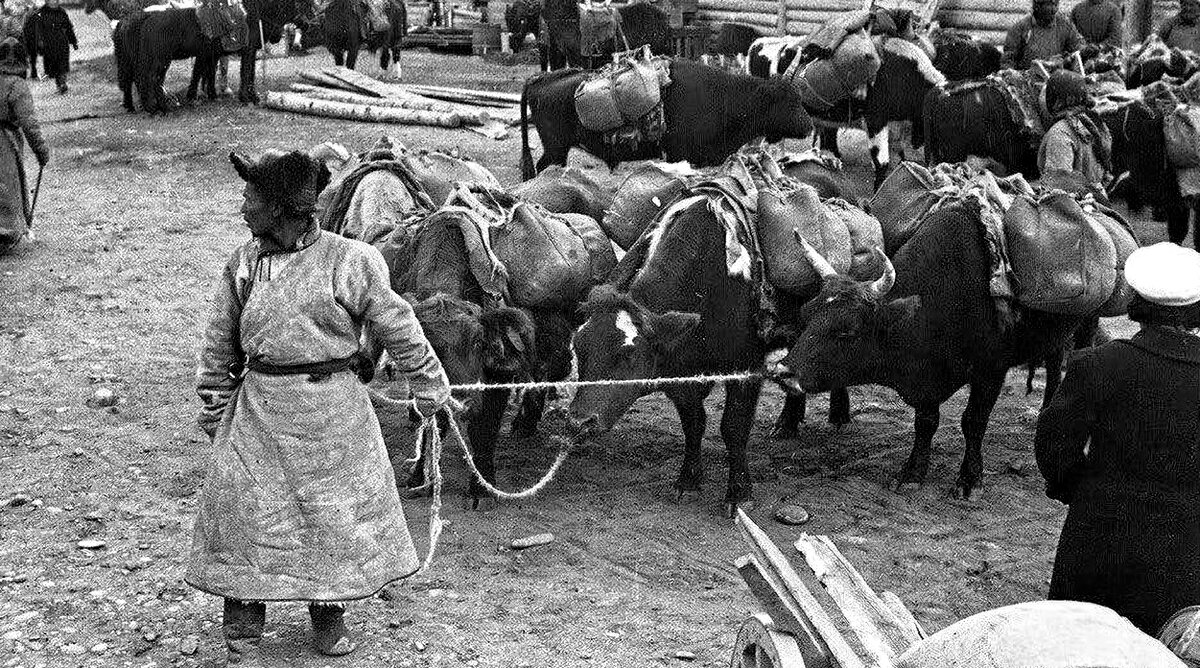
(1124,242)
(836,61)
(624,99)
(641,196)
(1181,130)
(1063,634)
(497,236)
(903,200)
(838,230)
(1063,260)
(438,173)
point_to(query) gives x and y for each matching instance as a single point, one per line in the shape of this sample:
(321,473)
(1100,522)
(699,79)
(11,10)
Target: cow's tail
(527,171)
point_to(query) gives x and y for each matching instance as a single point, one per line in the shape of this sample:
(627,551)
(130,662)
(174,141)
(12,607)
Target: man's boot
(243,628)
(329,630)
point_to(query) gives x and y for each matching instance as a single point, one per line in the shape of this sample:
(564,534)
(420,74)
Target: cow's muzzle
(782,374)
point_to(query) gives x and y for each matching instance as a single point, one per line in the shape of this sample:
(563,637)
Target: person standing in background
(1044,34)
(18,126)
(56,37)
(1099,22)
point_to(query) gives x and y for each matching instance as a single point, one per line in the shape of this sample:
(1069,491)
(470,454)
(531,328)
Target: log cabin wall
(987,19)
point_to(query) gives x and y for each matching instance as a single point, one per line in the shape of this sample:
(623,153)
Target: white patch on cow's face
(625,324)
(879,147)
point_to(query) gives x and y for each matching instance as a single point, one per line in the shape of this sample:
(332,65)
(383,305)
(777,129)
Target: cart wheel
(759,645)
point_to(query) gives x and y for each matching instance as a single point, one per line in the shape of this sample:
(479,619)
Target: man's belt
(316,371)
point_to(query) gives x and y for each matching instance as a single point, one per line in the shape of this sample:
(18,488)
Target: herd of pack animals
(925,327)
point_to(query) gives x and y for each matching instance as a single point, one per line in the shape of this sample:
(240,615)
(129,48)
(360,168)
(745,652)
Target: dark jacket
(1131,540)
(55,37)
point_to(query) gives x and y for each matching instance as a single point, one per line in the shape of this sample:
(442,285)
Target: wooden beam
(779,570)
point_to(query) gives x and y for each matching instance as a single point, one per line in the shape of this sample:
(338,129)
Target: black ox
(341,30)
(709,115)
(926,329)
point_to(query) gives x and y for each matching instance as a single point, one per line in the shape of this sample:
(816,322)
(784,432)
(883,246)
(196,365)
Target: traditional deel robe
(1027,41)
(300,500)
(18,124)
(1132,534)
(56,36)
(1070,147)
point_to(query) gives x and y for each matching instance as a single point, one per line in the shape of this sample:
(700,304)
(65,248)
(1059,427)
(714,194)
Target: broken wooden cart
(829,618)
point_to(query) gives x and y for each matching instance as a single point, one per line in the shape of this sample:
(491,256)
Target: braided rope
(429,443)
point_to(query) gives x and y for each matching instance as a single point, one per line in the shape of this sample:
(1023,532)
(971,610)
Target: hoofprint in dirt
(136,218)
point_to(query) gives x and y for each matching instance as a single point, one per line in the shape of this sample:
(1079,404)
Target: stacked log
(303,104)
(338,92)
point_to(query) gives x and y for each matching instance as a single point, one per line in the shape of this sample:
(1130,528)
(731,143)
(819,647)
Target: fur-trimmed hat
(1066,89)
(13,59)
(292,180)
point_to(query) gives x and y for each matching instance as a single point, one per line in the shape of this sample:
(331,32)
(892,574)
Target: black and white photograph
(613,333)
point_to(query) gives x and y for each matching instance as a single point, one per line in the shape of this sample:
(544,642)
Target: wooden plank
(783,610)
(903,613)
(777,566)
(877,627)
(327,81)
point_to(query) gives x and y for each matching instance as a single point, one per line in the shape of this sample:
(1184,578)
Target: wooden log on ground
(470,117)
(495,95)
(994,6)
(752,6)
(784,580)
(785,613)
(301,104)
(878,628)
(320,79)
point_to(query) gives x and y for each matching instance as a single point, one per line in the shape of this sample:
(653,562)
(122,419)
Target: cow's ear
(897,313)
(666,331)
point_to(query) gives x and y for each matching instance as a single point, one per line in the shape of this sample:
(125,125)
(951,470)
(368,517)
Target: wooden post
(781,22)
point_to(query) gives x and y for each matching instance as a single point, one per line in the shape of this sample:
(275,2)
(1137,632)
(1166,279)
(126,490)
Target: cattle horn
(882,285)
(818,261)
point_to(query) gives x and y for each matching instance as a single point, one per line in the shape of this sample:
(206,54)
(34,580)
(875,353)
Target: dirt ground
(135,219)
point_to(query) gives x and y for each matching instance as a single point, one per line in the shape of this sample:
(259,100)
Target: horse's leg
(337,56)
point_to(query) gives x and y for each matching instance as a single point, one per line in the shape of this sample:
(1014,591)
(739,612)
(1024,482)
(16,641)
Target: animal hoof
(524,430)
(683,496)
(779,433)
(481,504)
(963,491)
(731,508)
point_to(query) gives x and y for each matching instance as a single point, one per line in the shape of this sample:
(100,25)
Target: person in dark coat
(1119,443)
(56,36)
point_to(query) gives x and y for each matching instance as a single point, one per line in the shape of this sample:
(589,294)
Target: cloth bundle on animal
(841,232)
(836,61)
(643,194)
(491,235)
(1068,254)
(624,98)
(1064,634)
(224,20)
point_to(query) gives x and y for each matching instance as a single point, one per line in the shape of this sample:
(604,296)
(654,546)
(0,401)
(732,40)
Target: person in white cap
(1120,443)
